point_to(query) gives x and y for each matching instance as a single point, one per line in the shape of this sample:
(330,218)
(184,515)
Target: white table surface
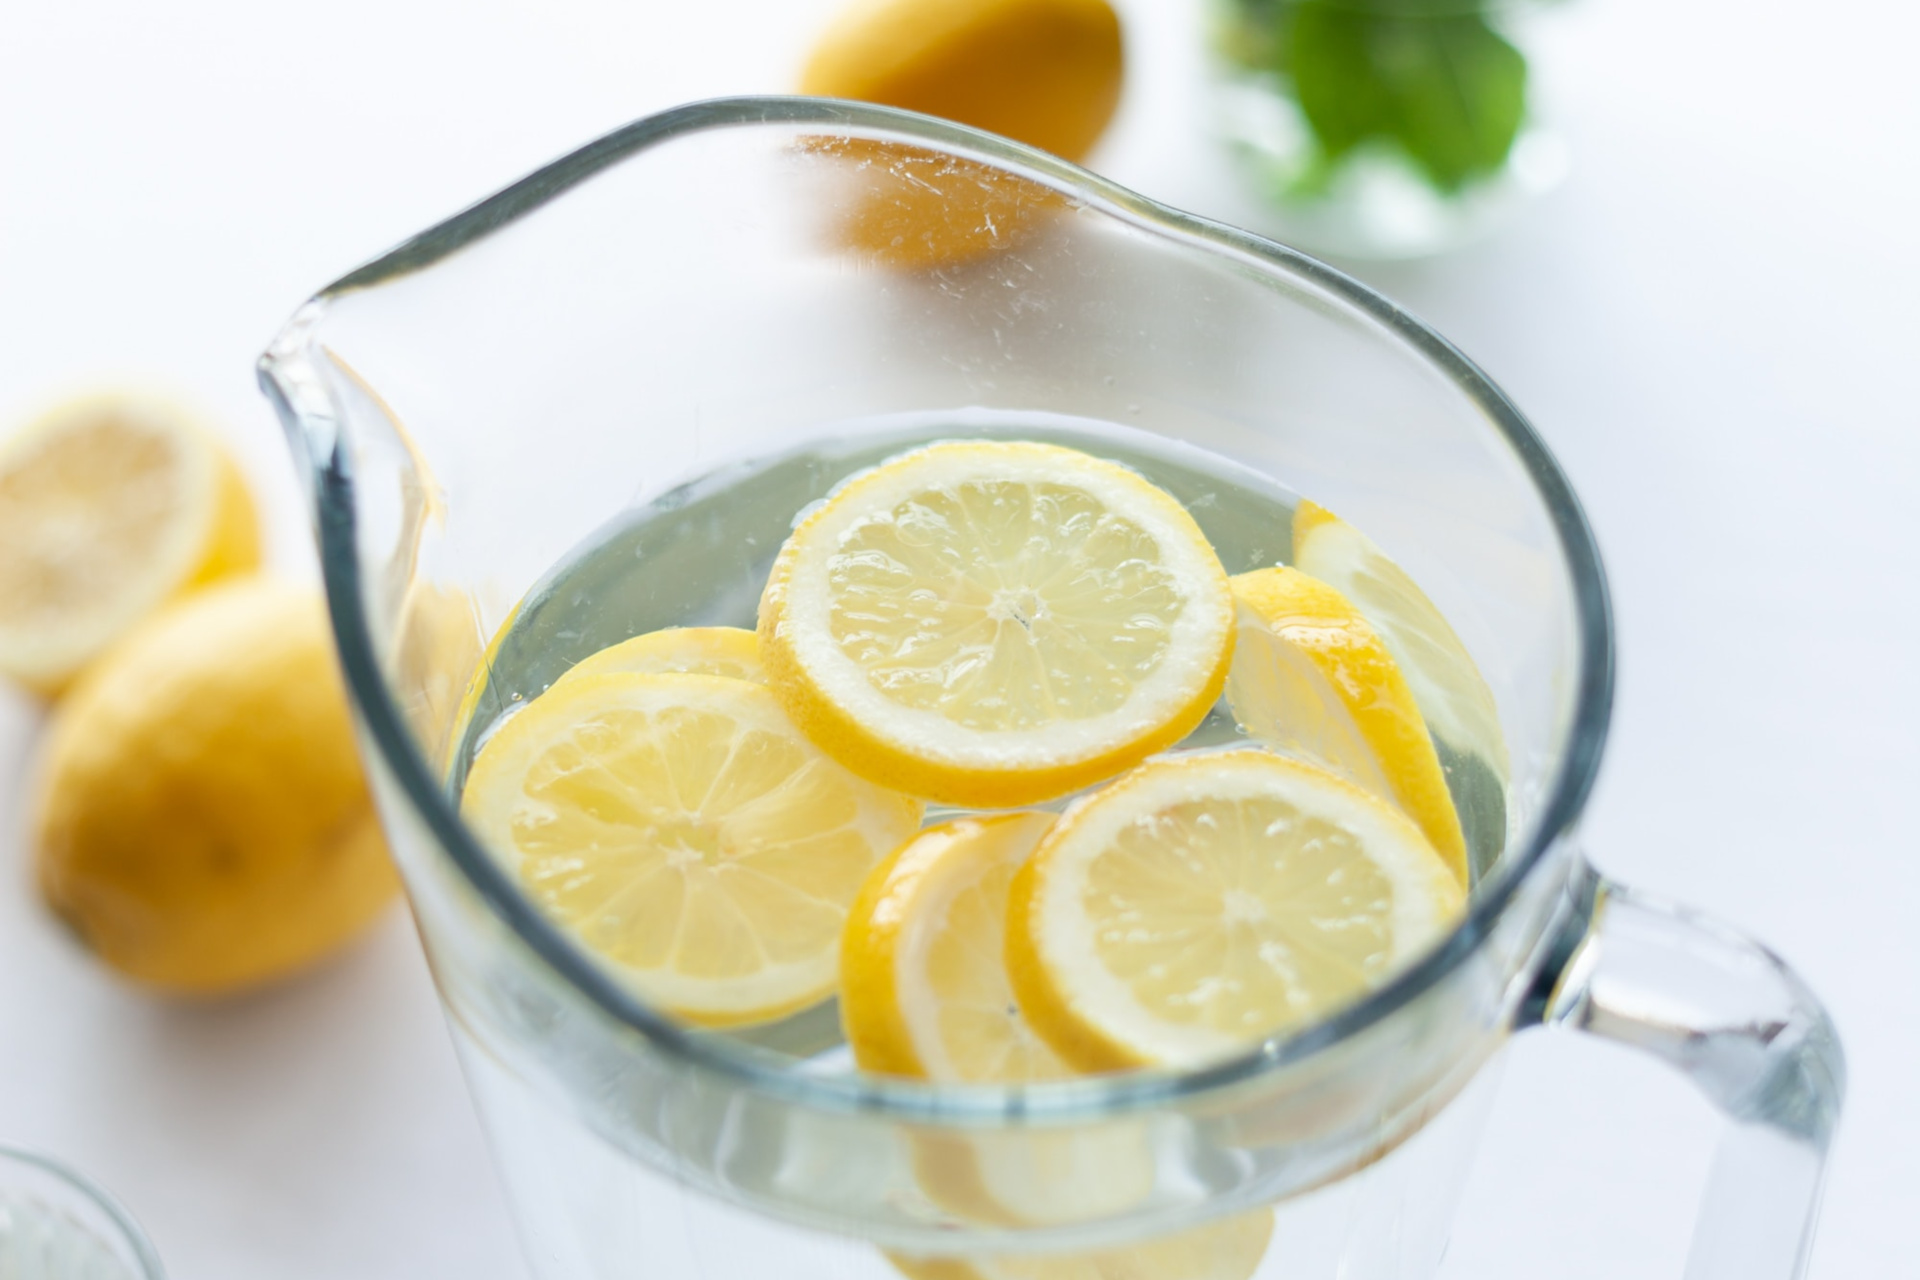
(1712,323)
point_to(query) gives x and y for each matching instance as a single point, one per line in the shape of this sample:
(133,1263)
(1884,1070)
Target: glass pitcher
(737,280)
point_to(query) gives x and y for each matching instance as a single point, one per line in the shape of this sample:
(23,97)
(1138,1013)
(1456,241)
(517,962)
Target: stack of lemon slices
(733,819)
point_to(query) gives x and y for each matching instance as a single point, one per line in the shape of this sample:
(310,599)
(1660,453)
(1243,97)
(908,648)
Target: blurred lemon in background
(110,506)
(1044,72)
(202,822)
(909,208)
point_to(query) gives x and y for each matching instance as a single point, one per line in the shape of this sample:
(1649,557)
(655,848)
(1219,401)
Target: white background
(1711,322)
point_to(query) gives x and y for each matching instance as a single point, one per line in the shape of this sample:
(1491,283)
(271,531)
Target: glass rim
(1096,1097)
(116,1213)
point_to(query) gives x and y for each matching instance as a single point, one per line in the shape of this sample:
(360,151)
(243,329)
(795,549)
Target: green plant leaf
(1445,85)
(1460,90)
(1342,94)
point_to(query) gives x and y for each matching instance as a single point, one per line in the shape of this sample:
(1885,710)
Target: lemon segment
(1313,677)
(1447,686)
(1230,1249)
(923,986)
(701,651)
(683,830)
(109,507)
(996,624)
(1205,902)
(1046,72)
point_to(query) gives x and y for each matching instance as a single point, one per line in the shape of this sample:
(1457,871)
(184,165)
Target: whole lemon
(1045,72)
(202,822)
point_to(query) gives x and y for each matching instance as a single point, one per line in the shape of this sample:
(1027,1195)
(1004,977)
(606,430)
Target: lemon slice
(109,506)
(1311,676)
(995,624)
(701,651)
(682,829)
(924,993)
(1230,1249)
(923,986)
(1448,687)
(1206,901)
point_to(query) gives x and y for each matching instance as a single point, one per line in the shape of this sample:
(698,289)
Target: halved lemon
(701,651)
(1230,1249)
(995,624)
(685,831)
(1207,901)
(1311,676)
(923,983)
(109,506)
(1448,687)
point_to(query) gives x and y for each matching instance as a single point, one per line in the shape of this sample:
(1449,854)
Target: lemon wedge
(684,830)
(1311,676)
(1206,901)
(996,624)
(1450,691)
(701,651)
(923,990)
(109,507)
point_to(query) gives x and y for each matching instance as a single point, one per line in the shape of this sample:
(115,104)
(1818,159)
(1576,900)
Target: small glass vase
(1383,129)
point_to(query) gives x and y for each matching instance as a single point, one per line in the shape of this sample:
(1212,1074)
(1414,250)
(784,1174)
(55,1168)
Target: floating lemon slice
(996,624)
(1230,1249)
(700,651)
(1448,687)
(109,506)
(1311,676)
(1204,902)
(924,993)
(683,829)
(923,988)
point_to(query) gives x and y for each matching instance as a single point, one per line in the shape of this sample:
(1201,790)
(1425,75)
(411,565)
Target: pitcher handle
(1735,1020)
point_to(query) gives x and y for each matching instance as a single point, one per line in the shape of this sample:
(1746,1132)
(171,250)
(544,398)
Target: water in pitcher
(700,556)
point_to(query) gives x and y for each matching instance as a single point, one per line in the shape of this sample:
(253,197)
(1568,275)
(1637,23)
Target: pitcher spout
(292,381)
